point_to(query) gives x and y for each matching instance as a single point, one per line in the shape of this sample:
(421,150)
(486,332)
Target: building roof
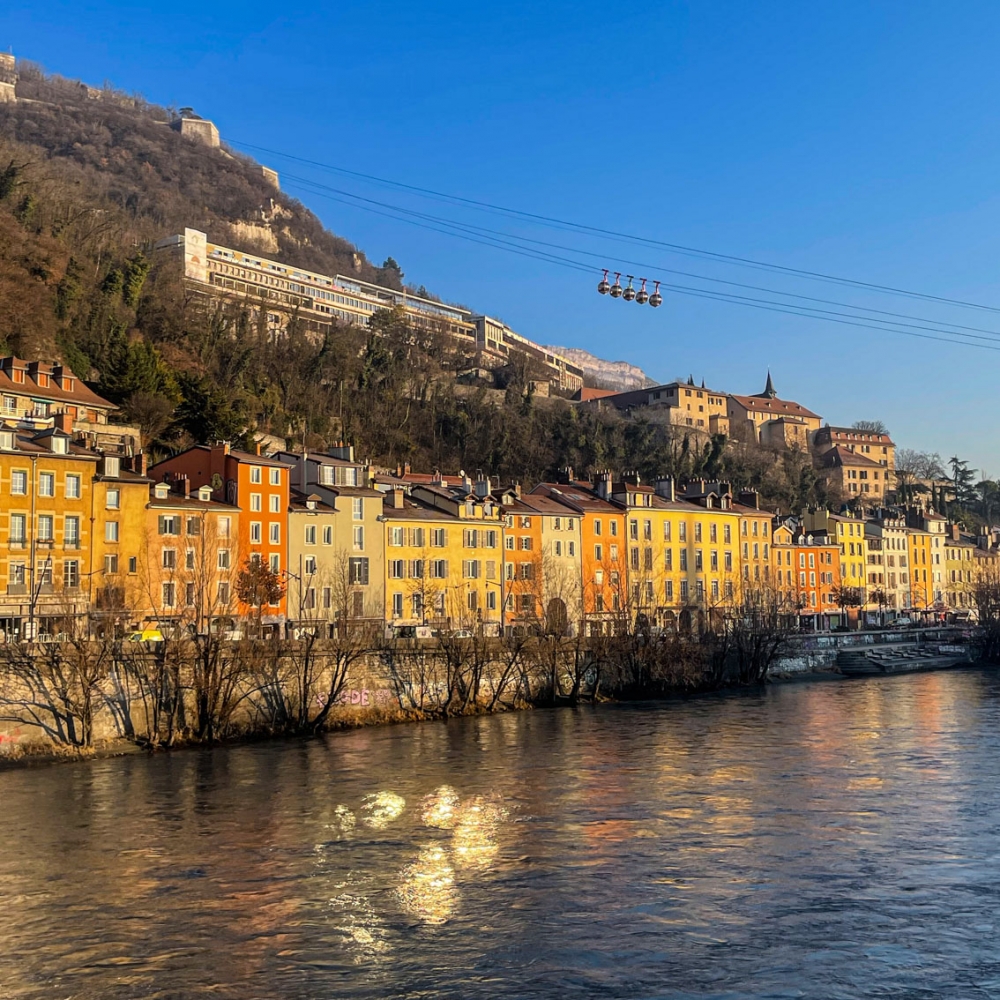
(578,496)
(838,455)
(587,394)
(779,407)
(851,435)
(413,510)
(80,395)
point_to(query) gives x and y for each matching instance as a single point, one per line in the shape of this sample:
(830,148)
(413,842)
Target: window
(727,533)
(274,503)
(470,569)
(613,552)
(666,531)
(558,548)
(509,542)
(491,539)
(357,571)
(597,526)
(359,538)
(275,533)
(698,565)
(397,569)
(357,509)
(684,591)
(71,532)
(572,549)
(526,543)
(19,482)
(598,553)
(71,574)
(310,565)
(684,560)
(439,569)
(255,503)
(697,531)
(170,559)
(527,603)
(647,530)
(17,574)
(416,537)
(682,531)
(310,534)
(73,487)
(439,537)
(668,590)
(397,605)
(614,527)
(169,593)
(224,523)
(111,564)
(113,499)
(274,476)
(328,534)
(46,484)
(255,474)
(275,562)
(222,559)
(714,561)
(668,559)
(396,536)
(189,559)
(470,538)
(133,564)
(111,531)
(194,526)
(166,524)
(18,530)
(255,532)
(633,530)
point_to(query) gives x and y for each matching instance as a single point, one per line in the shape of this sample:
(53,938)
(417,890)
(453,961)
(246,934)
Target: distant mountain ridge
(618,375)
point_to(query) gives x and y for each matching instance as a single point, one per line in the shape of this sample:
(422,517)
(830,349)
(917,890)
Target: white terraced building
(277,290)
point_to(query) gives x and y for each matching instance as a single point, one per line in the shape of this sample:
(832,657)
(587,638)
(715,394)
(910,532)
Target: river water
(817,840)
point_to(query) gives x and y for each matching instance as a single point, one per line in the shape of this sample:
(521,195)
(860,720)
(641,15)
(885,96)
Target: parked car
(461,633)
(146,635)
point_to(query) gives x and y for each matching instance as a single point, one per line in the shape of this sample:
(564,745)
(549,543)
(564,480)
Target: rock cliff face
(618,375)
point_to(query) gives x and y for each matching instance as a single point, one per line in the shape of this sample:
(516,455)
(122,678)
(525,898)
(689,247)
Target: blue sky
(851,139)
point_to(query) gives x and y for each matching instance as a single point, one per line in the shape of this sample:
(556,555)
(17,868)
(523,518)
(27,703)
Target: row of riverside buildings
(89,532)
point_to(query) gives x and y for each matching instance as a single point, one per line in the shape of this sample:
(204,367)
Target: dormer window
(161,491)
(17,375)
(205,493)
(59,445)
(6,440)
(112,466)
(43,380)
(310,505)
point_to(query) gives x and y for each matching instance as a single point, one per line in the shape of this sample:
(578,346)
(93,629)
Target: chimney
(603,484)
(345,452)
(482,487)
(566,475)
(665,488)
(749,498)
(182,485)
(140,463)
(396,498)
(63,422)
(257,448)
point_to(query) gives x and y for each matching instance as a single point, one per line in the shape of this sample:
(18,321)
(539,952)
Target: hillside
(90,179)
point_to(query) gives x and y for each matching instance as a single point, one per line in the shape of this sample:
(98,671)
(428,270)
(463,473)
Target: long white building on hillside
(278,290)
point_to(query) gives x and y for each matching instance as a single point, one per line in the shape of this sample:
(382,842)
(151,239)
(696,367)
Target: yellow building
(877,448)
(959,565)
(443,557)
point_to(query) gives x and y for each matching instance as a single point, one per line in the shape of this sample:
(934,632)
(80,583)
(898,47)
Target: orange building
(259,487)
(806,573)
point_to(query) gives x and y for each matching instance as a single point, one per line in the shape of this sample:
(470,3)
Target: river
(832,840)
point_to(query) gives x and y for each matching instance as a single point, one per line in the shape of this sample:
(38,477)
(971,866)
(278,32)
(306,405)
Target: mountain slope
(618,375)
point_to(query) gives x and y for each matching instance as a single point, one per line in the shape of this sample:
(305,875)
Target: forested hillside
(88,181)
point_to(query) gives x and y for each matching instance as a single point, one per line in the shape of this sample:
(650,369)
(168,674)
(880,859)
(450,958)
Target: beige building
(888,561)
(854,476)
(762,410)
(678,404)
(878,448)
(335,539)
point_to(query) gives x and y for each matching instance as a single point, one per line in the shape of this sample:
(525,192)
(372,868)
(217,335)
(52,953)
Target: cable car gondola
(629,293)
(603,287)
(656,298)
(642,296)
(616,288)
